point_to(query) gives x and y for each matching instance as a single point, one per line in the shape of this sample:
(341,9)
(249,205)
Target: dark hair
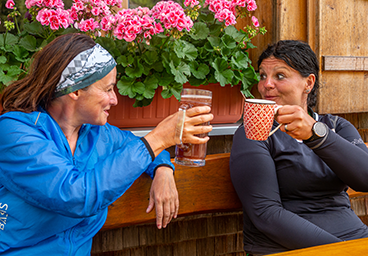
(299,56)
(38,87)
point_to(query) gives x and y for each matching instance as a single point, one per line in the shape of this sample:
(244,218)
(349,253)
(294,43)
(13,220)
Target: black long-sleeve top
(294,196)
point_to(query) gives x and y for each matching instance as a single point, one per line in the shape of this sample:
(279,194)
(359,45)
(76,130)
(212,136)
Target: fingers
(159,215)
(296,121)
(198,110)
(165,197)
(196,125)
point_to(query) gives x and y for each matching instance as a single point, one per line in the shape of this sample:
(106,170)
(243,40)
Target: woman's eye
(262,76)
(280,76)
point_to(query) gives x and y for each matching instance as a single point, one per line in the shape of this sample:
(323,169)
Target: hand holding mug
(297,122)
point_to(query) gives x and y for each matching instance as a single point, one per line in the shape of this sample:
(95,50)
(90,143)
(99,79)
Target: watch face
(320,129)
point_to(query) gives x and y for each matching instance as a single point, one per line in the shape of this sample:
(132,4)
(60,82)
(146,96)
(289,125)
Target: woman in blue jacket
(62,164)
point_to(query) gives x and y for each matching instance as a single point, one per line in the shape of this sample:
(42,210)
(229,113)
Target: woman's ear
(74,95)
(311,79)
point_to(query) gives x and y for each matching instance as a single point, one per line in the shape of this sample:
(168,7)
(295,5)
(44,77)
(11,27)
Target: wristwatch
(319,130)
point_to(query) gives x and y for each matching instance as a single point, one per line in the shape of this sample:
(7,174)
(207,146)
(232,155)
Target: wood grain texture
(358,247)
(342,33)
(202,189)
(345,63)
(292,20)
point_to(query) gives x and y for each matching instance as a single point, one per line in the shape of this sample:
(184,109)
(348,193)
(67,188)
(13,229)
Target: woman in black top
(293,185)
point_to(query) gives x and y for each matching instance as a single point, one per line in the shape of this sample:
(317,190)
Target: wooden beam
(201,190)
(345,63)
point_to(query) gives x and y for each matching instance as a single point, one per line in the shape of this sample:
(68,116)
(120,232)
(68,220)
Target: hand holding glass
(186,153)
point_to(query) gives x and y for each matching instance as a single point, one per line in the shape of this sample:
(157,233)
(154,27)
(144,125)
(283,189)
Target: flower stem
(162,46)
(16,24)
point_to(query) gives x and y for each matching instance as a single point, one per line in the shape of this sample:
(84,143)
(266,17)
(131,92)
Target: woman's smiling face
(96,101)
(283,84)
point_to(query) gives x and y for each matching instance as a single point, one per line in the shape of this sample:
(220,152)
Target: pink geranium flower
(107,23)
(252,6)
(191,3)
(255,22)
(227,16)
(10,4)
(88,25)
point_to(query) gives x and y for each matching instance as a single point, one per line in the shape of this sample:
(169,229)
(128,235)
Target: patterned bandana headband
(85,69)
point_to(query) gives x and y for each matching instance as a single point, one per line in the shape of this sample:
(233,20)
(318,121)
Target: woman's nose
(114,99)
(269,84)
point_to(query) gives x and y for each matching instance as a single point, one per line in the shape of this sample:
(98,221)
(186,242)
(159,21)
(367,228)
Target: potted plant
(157,50)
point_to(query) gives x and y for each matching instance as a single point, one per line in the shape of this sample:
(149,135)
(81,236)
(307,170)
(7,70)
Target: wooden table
(357,247)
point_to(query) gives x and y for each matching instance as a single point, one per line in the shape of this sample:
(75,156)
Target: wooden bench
(201,190)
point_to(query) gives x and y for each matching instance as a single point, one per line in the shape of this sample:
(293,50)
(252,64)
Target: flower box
(227,107)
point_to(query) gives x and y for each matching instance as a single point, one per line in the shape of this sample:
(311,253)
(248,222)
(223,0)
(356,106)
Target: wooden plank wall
(343,33)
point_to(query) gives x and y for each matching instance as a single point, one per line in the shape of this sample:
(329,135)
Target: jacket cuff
(167,165)
(148,148)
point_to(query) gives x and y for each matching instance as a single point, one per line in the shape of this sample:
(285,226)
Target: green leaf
(169,91)
(34,28)
(164,78)
(180,72)
(150,57)
(215,29)
(250,46)
(28,42)
(224,77)
(151,84)
(219,64)
(199,70)
(185,50)
(10,39)
(158,66)
(207,17)
(137,88)
(249,78)
(125,60)
(214,41)
(125,86)
(222,74)
(3,59)
(135,70)
(4,79)
(228,42)
(240,60)
(201,31)
(196,82)
(141,102)
(20,53)
(234,33)
(14,71)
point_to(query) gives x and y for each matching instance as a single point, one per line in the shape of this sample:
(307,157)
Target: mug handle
(272,132)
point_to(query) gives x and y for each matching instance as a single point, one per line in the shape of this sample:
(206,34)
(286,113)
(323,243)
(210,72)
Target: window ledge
(217,130)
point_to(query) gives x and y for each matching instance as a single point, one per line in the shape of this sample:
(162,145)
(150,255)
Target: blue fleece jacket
(53,202)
